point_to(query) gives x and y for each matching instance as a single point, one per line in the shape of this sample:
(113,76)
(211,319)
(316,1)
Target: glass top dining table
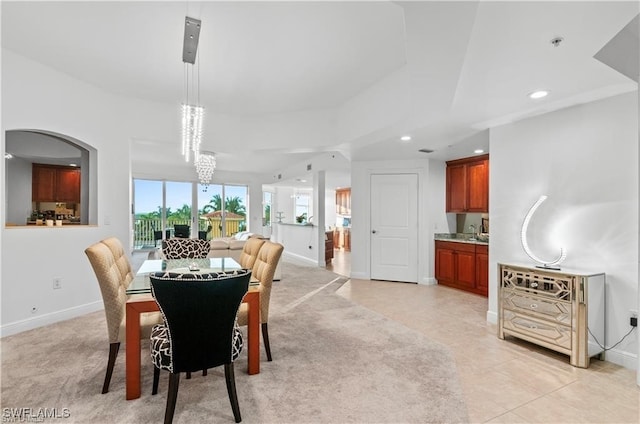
(142,284)
(137,305)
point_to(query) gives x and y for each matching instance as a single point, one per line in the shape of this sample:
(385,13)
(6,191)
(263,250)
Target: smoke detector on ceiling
(555,42)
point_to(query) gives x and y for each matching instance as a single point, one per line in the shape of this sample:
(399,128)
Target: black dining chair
(182,231)
(199,330)
(157,234)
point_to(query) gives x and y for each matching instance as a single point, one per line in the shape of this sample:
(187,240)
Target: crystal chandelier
(205,165)
(192,112)
(191,130)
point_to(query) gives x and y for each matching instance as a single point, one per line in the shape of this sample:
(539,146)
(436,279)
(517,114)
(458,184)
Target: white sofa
(232,247)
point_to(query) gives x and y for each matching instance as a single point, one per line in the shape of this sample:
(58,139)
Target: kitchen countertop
(462,238)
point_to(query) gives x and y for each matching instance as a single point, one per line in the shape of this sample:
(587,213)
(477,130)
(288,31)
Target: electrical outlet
(633,318)
(57,283)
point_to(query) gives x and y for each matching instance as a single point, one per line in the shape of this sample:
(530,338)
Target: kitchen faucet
(473,231)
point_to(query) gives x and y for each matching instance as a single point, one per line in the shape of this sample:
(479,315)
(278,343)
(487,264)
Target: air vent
(426,150)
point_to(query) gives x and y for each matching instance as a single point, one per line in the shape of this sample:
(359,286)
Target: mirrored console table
(558,309)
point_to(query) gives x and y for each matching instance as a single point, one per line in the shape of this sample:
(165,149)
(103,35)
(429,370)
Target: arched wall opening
(55,152)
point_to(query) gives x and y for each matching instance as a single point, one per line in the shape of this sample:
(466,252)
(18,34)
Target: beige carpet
(334,362)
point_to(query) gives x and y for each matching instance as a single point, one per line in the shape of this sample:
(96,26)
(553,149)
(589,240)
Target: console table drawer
(556,311)
(540,283)
(556,334)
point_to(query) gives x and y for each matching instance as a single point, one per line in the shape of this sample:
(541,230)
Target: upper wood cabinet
(343,201)
(468,184)
(51,183)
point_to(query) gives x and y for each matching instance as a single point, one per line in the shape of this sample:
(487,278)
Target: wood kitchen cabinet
(482,269)
(52,183)
(468,184)
(328,246)
(343,201)
(458,266)
(342,239)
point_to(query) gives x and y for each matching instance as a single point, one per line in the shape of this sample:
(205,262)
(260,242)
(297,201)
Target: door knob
(374,231)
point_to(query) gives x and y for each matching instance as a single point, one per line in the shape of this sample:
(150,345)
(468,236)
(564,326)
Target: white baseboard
(622,358)
(50,318)
(296,257)
(359,275)
(492,317)
(428,281)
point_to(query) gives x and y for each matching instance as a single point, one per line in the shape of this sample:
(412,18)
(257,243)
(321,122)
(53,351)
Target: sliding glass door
(179,217)
(223,221)
(148,213)
(164,209)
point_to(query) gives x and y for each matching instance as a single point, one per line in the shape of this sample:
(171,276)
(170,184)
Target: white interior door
(394,227)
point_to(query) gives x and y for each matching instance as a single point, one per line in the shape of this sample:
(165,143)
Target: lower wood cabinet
(463,266)
(328,246)
(482,269)
(342,238)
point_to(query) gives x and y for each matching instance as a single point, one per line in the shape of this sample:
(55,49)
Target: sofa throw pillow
(243,235)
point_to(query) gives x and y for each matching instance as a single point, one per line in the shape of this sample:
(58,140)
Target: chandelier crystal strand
(191,130)
(205,166)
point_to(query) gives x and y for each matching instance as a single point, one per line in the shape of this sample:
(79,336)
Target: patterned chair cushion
(181,248)
(185,276)
(161,353)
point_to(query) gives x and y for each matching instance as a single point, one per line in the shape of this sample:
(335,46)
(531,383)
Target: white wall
(585,159)
(18,191)
(283,202)
(438,221)
(329,208)
(299,241)
(37,97)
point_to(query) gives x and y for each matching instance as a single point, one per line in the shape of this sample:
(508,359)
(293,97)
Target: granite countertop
(462,238)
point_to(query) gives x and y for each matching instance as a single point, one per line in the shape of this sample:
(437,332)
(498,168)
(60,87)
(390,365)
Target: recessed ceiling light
(539,94)
(477,151)
(73,164)
(8,156)
(405,138)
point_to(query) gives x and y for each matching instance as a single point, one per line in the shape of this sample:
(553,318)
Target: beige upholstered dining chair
(113,271)
(263,270)
(250,251)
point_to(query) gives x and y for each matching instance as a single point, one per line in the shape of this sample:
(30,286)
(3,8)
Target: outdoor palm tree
(234,205)
(182,214)
(231,204)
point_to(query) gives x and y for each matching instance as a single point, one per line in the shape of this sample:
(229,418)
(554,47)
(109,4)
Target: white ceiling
(357,75)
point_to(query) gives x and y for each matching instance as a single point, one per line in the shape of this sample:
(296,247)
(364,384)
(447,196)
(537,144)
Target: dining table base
(136,307)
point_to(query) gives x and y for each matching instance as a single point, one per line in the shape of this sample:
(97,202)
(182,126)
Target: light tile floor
(504,381)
